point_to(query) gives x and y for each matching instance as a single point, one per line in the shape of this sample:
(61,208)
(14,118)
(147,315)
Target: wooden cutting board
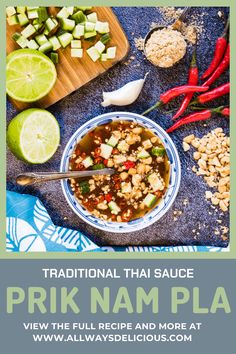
(74,72)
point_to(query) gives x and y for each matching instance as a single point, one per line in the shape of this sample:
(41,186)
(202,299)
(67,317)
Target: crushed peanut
(213,160)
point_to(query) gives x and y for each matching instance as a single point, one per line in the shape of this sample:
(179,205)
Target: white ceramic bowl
(156,213)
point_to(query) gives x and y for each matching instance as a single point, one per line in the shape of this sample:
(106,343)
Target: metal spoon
(176,26)
(29,178)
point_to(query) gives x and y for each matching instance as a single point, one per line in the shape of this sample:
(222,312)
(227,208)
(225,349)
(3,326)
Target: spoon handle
(178,23)
(30,178)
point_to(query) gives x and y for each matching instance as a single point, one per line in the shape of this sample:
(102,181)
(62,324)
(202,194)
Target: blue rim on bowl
(156,213)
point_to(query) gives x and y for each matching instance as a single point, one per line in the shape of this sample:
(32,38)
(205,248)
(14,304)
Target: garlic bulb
(125,95)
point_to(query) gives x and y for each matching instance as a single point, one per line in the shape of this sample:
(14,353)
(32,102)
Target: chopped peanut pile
(213,158)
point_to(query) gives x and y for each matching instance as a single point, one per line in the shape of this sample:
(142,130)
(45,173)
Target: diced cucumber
(21,9)
(111,53)
(28,31)
(46,32)
(51,24)
(98,166)
(106,151)
(87,162)
(70,9)
(78,31)
(89,26)
(77,52)
(45,47)
(84,8)
(23,19)
(143,154)
(31,7)
(55,43)
(65,39)
(102,27)
(90,34)
(32,44)
(20,40)
(32,14)
(113,141)
(79,17)
(42,14)
(13,20)
(76,44)
(105,38)
(150,200)
(114,207)
(84,187)
(100,47)
(63,13)
(54,57)
(126,187)
(92,17)
(67,24)
(41,39)
(104,57)
(10,11)
(158,151)
(155,182)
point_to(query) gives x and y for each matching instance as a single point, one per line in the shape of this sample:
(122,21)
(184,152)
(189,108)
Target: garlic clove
(125,95)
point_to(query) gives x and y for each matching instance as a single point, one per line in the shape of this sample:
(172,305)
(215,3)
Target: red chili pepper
(226,111)
(108,197)
(220,69)
(129,164)
(220,47)
(195,117)
(211,95)
(192,80)
(105,161)
(175,92)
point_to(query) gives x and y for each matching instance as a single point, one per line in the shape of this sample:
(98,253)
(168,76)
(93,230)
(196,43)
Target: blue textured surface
(84,104)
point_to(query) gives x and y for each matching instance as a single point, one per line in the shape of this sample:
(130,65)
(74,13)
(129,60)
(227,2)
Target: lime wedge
(33,135)
(30,75)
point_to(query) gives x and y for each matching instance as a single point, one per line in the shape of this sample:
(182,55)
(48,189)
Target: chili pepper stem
(158,104)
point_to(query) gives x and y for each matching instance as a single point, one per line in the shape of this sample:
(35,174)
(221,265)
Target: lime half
(30,75)
(33,135)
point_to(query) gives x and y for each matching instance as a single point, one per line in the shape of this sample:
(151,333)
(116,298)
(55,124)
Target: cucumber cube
(150,200)
(106,150)
(102,27)
(32,14)
(89,26)
(104,57)
(77,52)
(55,43)
(115,209)
(54,57)
(111,53)
(28,31)
(79,17)
(51,24)
(32,44)
(13,20)
(84,8)
(20,40)
(113,141)
(41,39)
(87,162)
(46,47)
(90,34)
(65,39)
(78,31)
(23,19)
(143,154)
(105,38)
(67,24)
(100,47)
(63,13)
(42,14)
(76,44)
(92,17)
(10,11)
(70,10)
(21,9)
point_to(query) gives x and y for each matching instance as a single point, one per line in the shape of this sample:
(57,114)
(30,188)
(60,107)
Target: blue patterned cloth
(30,229)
